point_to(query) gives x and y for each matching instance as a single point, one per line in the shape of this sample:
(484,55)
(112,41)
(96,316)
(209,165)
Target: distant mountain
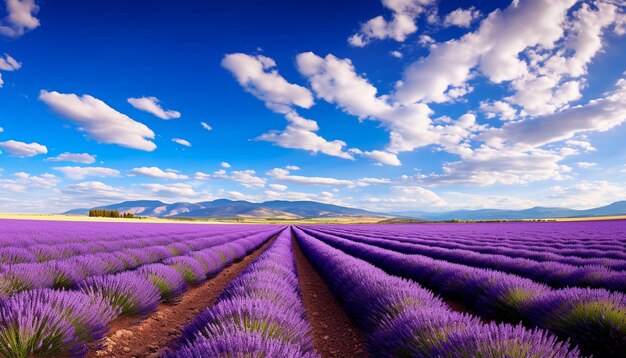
(278,209)
(227,209)
(617,208)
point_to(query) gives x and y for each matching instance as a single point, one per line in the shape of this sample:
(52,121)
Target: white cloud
(20,18)
(406,198)
(396,54)
(292,167)
(247,178)
(206,126)
(100,121)
(224,165)
(500,109)
(494,48)
(95,191)
(461,17)
(151,105)
(425,40)
(402,24)
(280,174)
(511,166)
(24,182)
(182,142)
(597,115)
(84,158)
(1,129)
(383,157)
(278,187)
(586,165)
(23,150)
(79,173)
(585,194)
(284,175)
(258,75)
(581,143)
(457,200)
(336,81)
(8,63)
(296,137)
(171,190)
(155,172)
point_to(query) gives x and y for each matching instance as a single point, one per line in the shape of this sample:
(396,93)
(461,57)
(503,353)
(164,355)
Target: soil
(333,333)
(153,335)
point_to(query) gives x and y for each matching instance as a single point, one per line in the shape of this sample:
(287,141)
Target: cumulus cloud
(278,187)
(396,54)
(586,165)
(155,172)
(280,174)
(84,158)
(206,126)
(461,17)
(23,150)
(406,197)
(20,18)
(171,190)
(336,81)
(224,165)
(79,173)
(8,63)
(182,142)
(487,166)
(402,23)
(597,115)
(500,109)
(152,105)
(380,156)
(95,191)
(247,178)
(300,138)
(99,121)
(585,194)
(458,200)
(22,182)
(493,48)
(258,75)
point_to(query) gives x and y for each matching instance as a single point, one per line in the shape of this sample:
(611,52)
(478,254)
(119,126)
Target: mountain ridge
(282,209)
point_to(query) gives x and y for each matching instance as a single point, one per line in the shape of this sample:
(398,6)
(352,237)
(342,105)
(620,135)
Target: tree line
(103,213)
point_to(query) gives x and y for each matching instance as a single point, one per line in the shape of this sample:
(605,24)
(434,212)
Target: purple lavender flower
(131,292)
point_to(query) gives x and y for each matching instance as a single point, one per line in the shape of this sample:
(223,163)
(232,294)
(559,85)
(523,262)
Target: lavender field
(406,290)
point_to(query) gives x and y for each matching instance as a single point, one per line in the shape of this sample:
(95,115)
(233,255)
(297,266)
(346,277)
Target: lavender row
(42,252)
(587,253)
(401,319)
(600,239)
(26,233)
(594,319)
(66,273)
(259,314)
(553,274)
(546,255)
(59,322)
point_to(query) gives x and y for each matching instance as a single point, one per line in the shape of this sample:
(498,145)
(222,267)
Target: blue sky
(386,105)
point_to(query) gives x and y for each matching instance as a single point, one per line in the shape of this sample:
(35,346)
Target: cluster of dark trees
(109,214)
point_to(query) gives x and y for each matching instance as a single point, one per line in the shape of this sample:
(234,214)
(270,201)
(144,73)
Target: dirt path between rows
(334,334)
(153,336)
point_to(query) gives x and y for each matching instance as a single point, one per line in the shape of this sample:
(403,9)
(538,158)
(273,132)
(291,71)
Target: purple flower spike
(128,291)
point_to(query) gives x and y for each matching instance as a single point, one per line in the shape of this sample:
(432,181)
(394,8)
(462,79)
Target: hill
(230,209)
